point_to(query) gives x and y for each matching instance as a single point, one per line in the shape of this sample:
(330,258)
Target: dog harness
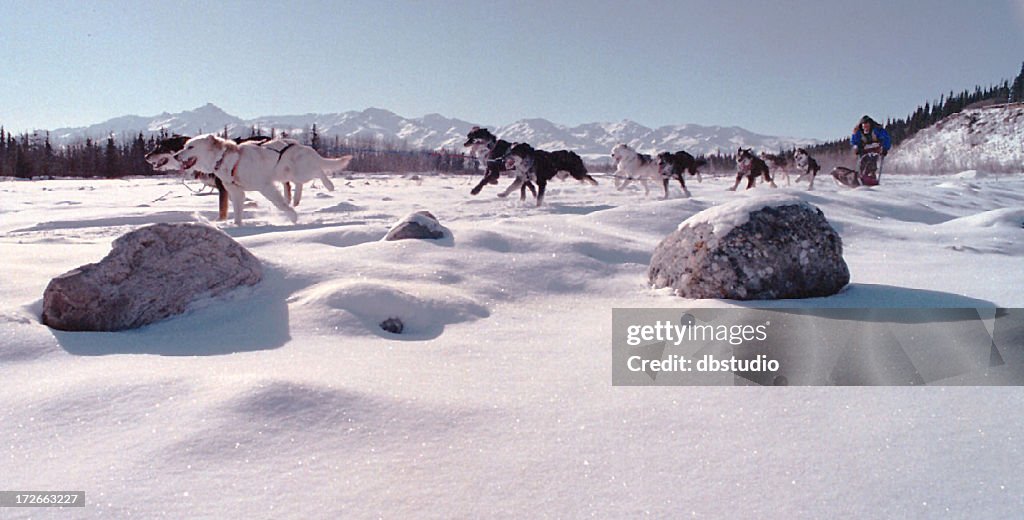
(234,167)
(280,153)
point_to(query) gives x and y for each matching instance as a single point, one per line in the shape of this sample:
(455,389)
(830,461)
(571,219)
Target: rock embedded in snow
(150,274)
(762,248)
(392,325)
(421,224)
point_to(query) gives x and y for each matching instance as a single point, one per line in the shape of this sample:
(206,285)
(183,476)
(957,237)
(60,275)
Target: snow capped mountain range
(435,131)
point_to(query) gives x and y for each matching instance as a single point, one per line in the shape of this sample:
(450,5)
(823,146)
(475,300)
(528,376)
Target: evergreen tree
(110,159)
(22,165)
(1017,89)
(50,165)
(3,153)
(137,156)
(314,138)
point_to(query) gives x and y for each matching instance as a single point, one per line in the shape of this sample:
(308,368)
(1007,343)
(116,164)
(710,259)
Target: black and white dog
(492,150)
(751,167)
(531,165)
(806,165)
(674,165)
(569,164)
(162,157)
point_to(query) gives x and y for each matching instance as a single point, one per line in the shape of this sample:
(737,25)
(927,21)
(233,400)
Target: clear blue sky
(787,67)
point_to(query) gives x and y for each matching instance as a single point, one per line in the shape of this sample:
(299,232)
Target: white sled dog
(632,166)
(253,167)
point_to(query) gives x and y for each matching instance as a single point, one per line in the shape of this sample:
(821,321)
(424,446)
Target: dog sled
(869,171)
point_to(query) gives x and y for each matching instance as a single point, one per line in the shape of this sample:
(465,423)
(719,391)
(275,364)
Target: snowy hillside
(986,139)
(286,400)
(435,131)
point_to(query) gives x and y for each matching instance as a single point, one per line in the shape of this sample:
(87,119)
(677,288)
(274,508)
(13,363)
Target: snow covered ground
(984,138)
(286,400)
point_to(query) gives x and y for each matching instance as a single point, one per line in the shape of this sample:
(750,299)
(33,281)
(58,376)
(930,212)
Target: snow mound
(970,174)
(959,185)
(280,417)
(423,309)
(305,405)
(346,238)
(341,207)
(725,217)
(1010,217)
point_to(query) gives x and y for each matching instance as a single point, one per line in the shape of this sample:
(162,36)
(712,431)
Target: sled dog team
(260,163)
(530,165)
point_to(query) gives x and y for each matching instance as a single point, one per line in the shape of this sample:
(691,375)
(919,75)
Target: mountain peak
(209,109)
(374,111)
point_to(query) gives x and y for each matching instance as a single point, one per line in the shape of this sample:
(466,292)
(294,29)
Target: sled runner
(870,165)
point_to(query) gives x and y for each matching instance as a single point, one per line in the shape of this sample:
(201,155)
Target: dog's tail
(332,166)
(336,164)
(327,181)
(581,170)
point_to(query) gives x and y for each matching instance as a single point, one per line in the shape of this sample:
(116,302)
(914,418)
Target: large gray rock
(150,274)
(421,225)
(762,248)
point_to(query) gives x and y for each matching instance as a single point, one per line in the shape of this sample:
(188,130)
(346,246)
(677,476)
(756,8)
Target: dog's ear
(218,144)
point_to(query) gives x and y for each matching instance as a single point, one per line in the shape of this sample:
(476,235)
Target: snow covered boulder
(761,248)
(421,224)
(150,274)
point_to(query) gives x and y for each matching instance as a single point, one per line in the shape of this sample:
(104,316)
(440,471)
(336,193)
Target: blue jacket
(878,133)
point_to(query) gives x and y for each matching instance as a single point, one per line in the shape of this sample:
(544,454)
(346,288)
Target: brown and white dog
(778,163)
(751,167)
(253,167)
(162,159)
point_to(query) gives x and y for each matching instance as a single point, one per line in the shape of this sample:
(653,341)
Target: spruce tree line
(33,155)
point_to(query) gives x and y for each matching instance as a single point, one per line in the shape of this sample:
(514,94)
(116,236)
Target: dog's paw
(502,195)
